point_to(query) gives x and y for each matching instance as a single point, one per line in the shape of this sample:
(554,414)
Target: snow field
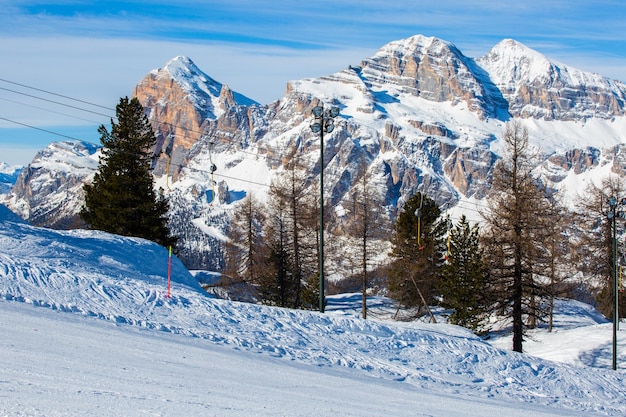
(116,345)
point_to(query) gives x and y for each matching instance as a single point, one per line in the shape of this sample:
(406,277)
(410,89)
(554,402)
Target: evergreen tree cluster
(417,252)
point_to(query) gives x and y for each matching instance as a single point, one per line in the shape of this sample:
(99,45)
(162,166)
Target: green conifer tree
(464,277)
(417,252)
(121,199)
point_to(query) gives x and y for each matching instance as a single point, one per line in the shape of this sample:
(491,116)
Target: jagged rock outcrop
(577,160)
(469,170)
(580,161)
(619,160)
(433,128)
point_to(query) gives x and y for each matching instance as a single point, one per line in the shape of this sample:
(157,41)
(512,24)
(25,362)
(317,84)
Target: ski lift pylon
(168,152)
(418,214)
(212,169)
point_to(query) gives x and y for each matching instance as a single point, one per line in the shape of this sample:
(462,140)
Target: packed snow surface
(87,329)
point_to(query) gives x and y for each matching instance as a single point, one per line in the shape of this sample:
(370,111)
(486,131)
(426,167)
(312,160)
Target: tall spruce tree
(464,277)
(122,199)
(416,253)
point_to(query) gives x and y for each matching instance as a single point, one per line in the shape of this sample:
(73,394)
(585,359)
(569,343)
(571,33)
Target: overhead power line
(171,126)
(47,110)
(236,179)
(176,165)
(158,123)
(56,94)
(38,128)
(53,101)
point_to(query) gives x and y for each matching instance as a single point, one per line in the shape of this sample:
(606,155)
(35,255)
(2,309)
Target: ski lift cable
(38,128)
(158,123)
(230,142)
(55,94)
(55,102)
(47,110)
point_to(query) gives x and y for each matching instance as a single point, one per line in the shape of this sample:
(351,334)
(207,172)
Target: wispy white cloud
(296,29)
(317,24)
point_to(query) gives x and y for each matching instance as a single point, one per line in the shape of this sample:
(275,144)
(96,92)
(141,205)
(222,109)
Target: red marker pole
(169,273)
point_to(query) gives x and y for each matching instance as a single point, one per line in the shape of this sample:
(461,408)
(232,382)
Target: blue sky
(98,51)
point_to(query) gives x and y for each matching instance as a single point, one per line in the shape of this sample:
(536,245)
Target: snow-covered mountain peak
(432,69)
(517,49)
(538,87)
(417,44)
(180,100)
(200,89)
(419,49)
(51,187)
(183,66)
(68,156)
(9,169)
(191,79)
(511,62)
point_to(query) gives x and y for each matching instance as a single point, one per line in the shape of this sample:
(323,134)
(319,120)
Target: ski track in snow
(122,280)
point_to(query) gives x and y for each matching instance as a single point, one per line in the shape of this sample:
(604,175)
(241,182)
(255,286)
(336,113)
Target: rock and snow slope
(418,115)
(8,176)
(116,345)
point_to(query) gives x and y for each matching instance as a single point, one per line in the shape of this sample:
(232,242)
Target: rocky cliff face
(180,101)
(434,70)
(416,116)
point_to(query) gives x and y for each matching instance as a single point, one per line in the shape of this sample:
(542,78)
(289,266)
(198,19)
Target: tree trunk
(518,324)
